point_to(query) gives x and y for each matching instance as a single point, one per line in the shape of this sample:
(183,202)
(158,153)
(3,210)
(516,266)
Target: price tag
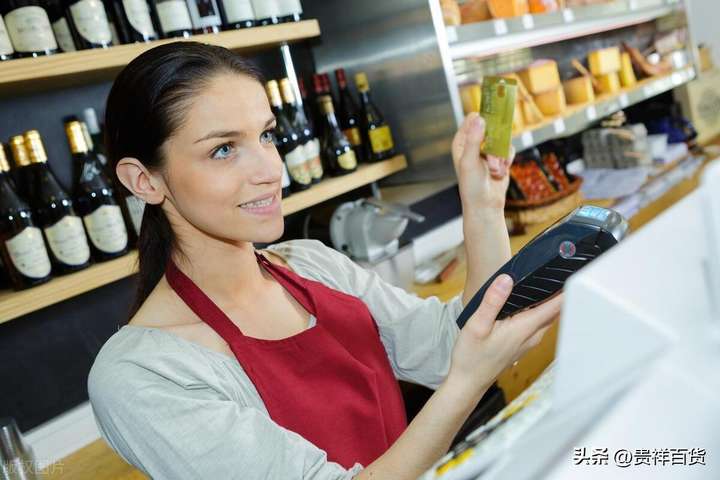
(451,34)
(677,78)
(632,5)
(649,91)
(528,22)
(568,15)
(624,100)
(559,126)
(591,113)
(500,27)
(527,139)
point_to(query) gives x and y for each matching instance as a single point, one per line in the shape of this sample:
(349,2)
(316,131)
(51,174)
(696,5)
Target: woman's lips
(266,206)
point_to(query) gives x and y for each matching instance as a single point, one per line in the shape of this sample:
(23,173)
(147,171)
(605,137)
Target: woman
(283,363)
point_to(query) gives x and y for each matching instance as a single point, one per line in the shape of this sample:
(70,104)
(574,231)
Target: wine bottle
(21,242)
(7,52)
(287,142)
(349,115)
(319,90)
(173,18)
(23,173)
(53,210)
(307,137)
(306,104)
(89,23)
(236,14)
(60,26)
(336,149)
(267,12)
(205,16)
(289,10)
(28,27)
(374,129)
(133,21)
(94,199)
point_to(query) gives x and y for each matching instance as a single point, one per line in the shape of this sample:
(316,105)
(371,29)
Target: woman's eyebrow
(220,134)
(270,121)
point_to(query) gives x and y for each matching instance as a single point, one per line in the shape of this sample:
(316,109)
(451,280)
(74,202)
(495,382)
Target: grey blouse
(177,410)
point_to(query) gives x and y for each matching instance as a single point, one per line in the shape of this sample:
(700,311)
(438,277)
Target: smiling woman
(284,363)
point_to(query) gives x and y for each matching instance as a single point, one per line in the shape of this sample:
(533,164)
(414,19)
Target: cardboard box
(579,90)
(700,101)
(541,76)
(604,61)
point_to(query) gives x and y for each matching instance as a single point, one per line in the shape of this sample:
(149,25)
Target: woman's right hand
(486,347)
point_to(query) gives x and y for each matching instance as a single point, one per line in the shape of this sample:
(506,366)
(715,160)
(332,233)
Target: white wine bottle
(89,23)
(28,27)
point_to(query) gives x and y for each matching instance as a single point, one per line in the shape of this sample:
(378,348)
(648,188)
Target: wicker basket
(523,212)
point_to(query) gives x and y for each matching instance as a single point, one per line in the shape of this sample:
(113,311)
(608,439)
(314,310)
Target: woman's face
(222,171)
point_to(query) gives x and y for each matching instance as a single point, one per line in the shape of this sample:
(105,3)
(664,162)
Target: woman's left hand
(483,181)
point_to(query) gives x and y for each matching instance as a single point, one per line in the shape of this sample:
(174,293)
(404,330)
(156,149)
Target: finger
(538,317)
(495,297)
(458,144)
(475,134)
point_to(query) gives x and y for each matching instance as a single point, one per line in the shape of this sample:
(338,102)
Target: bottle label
(312,154)
(91,21)
(63,35)
(298,167)
(266,8)
(28,254)
(289,7)
(348,160)
(353,136)
(68,241)
(6,47)
(136,208)
(138,13)
(106,229)
(204,13)
(174,16)
(381,139)
(29,29)
(238,10)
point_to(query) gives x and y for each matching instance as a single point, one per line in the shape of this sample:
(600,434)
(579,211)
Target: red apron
(331,383)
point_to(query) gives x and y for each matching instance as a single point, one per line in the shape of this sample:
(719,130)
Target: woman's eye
(223,151)
(267,137)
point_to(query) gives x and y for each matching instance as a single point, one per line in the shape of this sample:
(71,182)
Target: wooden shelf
(17,304)
(65,69)
(332,187)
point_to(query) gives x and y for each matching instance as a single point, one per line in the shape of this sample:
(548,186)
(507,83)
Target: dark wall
(45,356)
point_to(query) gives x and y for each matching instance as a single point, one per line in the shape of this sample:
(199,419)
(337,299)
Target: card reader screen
(596,213)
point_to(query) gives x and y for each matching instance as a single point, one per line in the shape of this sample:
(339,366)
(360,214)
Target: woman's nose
(268,168)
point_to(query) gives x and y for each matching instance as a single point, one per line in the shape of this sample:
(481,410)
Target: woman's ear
(143,184)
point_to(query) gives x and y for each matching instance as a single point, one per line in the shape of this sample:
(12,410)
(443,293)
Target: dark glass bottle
(133,21)
(53,210)
(349,115)
(287,142)
(205,15)
(300,124)
(236,14)
(173,18)
(22,248)
(289,10)
(60,26)
(375,130)
(267,12)
(23,173)
(95,200)
(89,23)
(336,149)
(28,27)
(319,90)
(306,104)
(7,52)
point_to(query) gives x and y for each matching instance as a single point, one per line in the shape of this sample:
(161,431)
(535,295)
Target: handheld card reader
(541,268)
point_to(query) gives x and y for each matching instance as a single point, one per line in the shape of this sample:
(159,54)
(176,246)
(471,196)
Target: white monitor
(637,368)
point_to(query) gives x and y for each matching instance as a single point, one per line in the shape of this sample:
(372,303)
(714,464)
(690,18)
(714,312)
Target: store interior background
(45,356)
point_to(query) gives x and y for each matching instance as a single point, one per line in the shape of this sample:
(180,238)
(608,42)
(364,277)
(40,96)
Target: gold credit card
(498,109)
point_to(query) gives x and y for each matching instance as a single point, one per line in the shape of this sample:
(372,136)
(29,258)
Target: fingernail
(504,283)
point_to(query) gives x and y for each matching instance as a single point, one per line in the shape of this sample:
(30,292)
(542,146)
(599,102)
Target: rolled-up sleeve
(177,432)
(418,333)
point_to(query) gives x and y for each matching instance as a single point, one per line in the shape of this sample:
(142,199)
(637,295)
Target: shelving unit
(579,117)
(65,69)
(503,35)
(17,304)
